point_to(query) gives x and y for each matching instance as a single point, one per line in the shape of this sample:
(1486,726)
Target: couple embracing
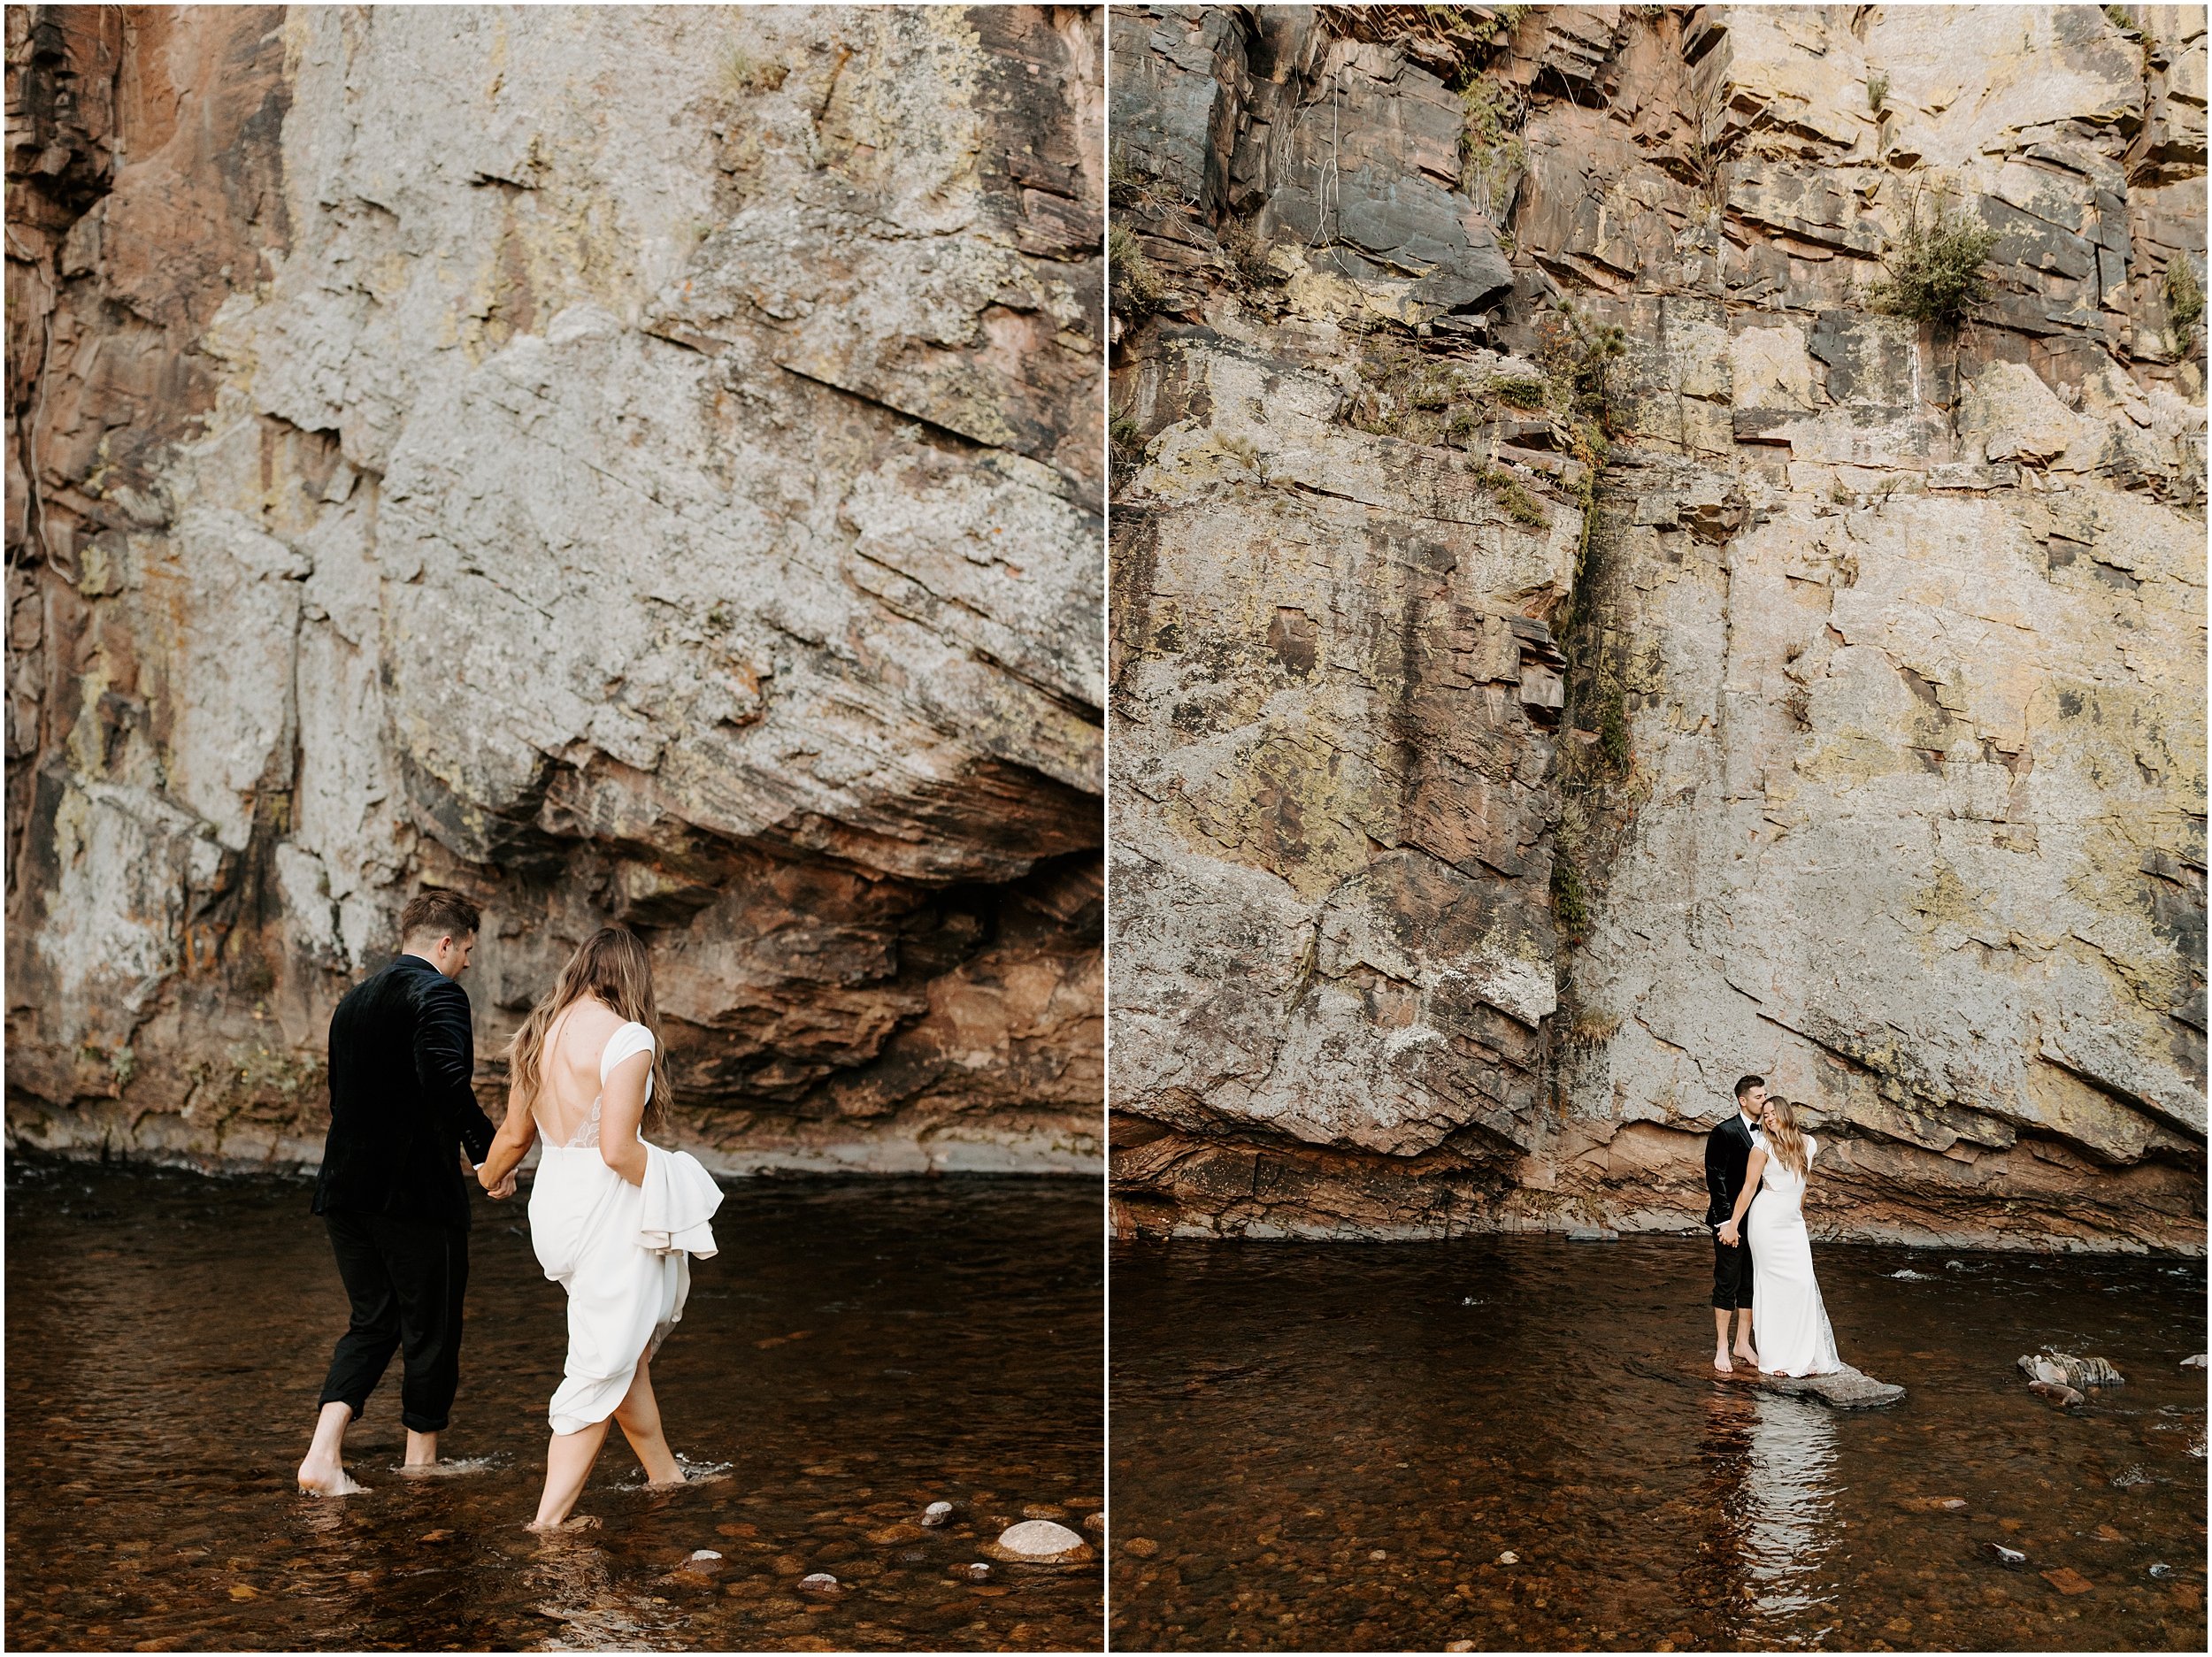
(1758,1164)
(614,1218)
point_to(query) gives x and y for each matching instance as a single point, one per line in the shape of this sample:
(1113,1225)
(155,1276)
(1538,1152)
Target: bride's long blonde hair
(614,966)
(1785,1138)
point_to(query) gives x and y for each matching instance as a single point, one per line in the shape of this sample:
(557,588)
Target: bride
(1793,1338)
(613,1218)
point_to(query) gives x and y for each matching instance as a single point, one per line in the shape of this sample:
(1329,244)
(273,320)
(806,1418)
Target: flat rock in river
(1846,1388)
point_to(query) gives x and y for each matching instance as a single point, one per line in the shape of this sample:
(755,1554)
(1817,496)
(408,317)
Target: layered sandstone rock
(1877,765)
(623,463)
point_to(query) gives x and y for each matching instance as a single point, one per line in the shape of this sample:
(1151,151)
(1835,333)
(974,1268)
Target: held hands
(503,1190)
(1729,1234)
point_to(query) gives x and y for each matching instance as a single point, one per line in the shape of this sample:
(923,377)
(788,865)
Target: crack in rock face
(1521,729)
(626,466)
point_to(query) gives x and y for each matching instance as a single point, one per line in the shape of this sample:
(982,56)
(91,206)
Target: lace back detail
(586,1135)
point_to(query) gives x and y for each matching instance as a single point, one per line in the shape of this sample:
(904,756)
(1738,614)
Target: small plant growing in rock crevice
(1613,727)
(1935,274)
(2184,302)
(1491,154)
(745,72)
(1877,92)
(1249,266)
(1124,433)
(1403,394)
(1137,287)
(1578,354)
(1522,507)
(1569,902)
(1518,391)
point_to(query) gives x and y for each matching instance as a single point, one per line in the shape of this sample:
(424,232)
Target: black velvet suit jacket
(401,1052)
(1727,1157)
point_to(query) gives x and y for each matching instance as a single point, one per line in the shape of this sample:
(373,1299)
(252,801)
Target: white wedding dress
(621,1251)
(1789,1324)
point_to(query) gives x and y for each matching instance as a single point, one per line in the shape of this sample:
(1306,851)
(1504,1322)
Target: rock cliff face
(1575,642)
(622,464)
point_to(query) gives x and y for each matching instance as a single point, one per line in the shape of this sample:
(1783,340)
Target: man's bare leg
(1744,1349)
(324,1471)
(422,1451)
(1720,1341)
(568,1459)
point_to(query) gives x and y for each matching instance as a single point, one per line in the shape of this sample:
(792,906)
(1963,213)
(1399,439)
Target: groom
(404,1125)
(1727,1153)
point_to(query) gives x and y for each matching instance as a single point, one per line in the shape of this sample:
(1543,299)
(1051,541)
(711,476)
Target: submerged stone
(1040,1541)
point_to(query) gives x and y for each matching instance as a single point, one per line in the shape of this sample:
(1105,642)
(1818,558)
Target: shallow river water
(1333,1447)
(858,1350)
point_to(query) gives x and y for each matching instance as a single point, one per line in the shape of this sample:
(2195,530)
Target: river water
(858,1349)
(1331,1446)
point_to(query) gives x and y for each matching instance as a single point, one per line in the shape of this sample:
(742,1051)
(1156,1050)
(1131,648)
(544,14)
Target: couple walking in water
(1758,1164)
(614,1218)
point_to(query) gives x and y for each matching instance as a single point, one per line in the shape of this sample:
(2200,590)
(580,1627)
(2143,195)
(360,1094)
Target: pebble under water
(1334,1447)
(858,1349)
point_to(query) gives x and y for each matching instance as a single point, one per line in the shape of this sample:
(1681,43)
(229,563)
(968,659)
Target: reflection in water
(1789,1512)
(1769,1495)
(590,1610)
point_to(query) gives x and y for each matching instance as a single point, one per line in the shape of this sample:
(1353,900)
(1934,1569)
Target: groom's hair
(436,913)
(1745,1084)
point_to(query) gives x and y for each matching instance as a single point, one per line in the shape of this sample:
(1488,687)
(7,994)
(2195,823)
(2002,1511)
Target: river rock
(977,1571)
(2011,1558)
(2196,1362)
(820,1583)
(936,1514)
(1847,1388)
(1836,648)
(2059,1393)
(653,478)
(2064,1369)
(1040,1541)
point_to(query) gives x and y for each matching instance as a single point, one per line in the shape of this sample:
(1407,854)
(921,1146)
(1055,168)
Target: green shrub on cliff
(1935,272)
(1570,904)
(2184,302)
(1491,154)
(1578,355)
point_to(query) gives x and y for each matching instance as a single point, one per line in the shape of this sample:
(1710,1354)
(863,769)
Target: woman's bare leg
(638,1414)
(568,1459)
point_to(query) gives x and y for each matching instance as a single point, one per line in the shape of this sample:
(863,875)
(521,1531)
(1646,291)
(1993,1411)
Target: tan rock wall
(1881,767)
(627,464)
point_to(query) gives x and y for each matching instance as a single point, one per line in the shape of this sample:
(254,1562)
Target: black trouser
(406,1278)
(1731,1272)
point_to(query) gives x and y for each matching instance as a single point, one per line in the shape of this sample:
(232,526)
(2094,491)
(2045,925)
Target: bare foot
(1749,1356)
(326,1479)
(574,1522)
(451,1467)
(1721,1364)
